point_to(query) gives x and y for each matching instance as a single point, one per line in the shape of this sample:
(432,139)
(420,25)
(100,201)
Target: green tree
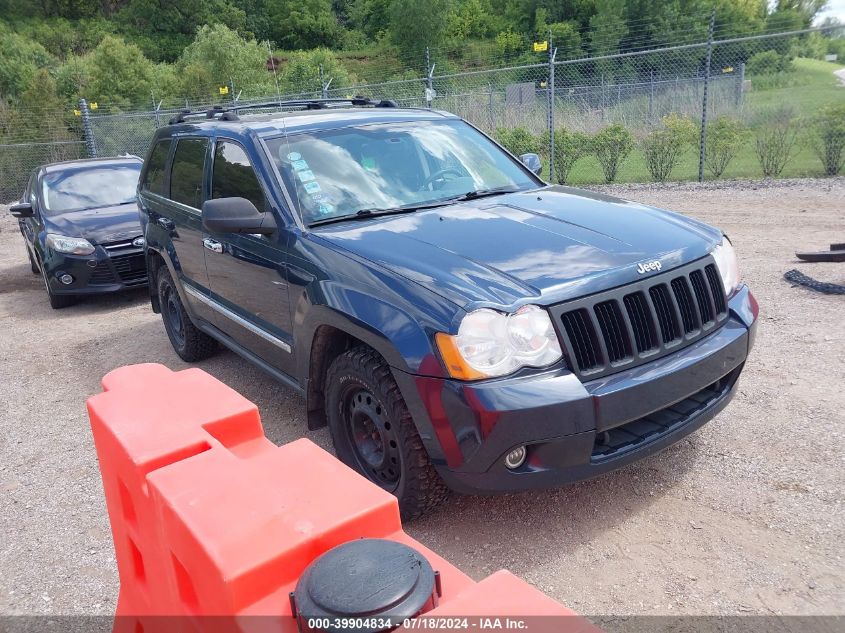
(471,19)
(219,56)
(827,137)
(119,74)
(372,17)
(725,137)
(569,147)
(415,25)
(20,58)
(164,29)
(302,24)
(300,72)
(664,146)
(611,147)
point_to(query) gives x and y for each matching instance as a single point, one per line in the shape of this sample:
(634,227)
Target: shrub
(569,147)
(827,137)
(611,146)
(767,63)
(724,138)
(663,147)
(518,140)
(777,131)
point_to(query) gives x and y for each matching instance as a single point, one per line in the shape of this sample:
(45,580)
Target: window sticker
(326,209)
(312,186)
(294,156)
(320,197)
(306,175)
(299,165)
(368,163)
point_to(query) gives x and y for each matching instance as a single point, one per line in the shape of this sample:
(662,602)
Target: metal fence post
(651,95)
(703,140)
(429,80)
(551,99)
(156,109)
(324,85)
(87,131)
(740,83)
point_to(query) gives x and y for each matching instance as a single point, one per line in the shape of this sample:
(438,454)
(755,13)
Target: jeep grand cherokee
(455,321)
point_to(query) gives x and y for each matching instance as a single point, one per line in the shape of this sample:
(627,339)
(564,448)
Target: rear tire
(188,341)
(374,434)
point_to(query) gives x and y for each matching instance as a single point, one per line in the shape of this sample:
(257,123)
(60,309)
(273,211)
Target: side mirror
(532,161)
(236,215)
(22,210)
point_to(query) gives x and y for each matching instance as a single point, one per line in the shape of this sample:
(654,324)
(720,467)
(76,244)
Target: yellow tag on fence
(539,47)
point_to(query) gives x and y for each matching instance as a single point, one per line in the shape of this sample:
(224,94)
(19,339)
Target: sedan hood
(546,245)
(99,226)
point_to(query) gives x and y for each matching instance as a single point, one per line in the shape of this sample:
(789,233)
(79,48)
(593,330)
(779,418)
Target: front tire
(188,341)
(373,432)
(33,265)
(57,302)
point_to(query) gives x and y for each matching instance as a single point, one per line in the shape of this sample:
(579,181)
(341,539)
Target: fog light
(515,458)
(66,279)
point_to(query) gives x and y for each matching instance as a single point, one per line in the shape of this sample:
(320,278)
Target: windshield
(373,168)
(89,187)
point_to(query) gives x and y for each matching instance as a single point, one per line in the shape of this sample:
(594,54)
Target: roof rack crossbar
(230,113)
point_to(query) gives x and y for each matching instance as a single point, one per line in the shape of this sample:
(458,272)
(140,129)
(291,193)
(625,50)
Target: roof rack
(230,113)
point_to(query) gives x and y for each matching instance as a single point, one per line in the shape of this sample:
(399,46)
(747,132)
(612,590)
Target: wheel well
(154,263)
(328,344)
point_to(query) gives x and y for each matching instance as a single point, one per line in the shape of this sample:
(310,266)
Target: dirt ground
(745,516)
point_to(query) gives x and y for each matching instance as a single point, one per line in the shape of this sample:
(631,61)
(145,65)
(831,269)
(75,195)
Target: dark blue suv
(455,321)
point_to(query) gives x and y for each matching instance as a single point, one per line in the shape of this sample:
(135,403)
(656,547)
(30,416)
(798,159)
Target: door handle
(166,224)
(213,245)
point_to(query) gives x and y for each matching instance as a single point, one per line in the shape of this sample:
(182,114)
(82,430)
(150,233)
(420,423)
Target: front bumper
(103,271)
(576,430)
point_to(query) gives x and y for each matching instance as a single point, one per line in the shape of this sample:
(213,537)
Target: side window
(153,179)
(187,171)
(234,176)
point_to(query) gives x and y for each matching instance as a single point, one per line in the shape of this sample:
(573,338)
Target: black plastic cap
(376,580)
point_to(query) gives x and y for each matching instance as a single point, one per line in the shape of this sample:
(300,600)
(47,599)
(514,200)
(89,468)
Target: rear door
(247,272)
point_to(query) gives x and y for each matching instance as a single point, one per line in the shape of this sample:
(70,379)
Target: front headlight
(728,267)
(73,245)
(489,343)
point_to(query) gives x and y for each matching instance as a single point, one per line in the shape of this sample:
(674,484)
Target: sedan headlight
(728,267)
(73,245)
(489,343)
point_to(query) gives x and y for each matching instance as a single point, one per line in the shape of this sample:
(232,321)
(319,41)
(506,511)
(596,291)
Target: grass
(810,86)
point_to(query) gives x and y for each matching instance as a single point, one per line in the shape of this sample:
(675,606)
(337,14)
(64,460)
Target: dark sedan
(80,223)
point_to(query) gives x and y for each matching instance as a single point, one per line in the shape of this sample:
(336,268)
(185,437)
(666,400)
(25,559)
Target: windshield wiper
(483,193)
(365,214)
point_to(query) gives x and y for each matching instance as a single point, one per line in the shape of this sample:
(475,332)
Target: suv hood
(545,245)
(99,226)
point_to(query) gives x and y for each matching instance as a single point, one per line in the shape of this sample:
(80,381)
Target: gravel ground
(743,517)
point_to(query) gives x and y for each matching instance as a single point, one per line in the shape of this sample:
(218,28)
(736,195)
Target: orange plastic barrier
(209,518)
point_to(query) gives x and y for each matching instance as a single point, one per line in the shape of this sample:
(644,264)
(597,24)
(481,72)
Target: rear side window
(234,176)
(153,180)
(187,170)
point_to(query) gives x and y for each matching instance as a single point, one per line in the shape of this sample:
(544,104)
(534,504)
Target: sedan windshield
(362,171)
(90,187)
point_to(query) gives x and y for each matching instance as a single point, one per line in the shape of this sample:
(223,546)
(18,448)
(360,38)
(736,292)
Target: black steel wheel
(372,436)
(191,343)
(373,431)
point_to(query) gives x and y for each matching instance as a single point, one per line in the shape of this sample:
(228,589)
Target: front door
(246,273)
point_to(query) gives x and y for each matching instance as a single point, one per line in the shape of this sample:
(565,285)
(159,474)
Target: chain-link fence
(529,107)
